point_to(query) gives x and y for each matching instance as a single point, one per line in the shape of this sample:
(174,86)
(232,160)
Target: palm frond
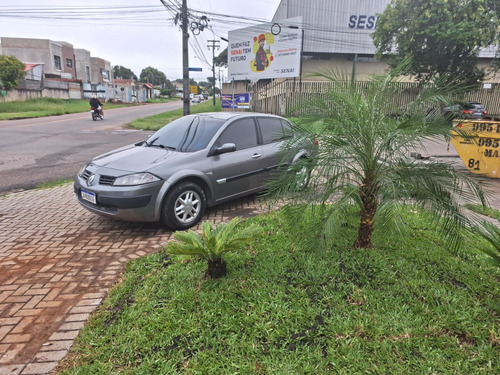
(491,233)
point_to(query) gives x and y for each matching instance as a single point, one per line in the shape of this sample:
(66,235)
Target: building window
(87,73)
(69,63)
(57,62)
(105,75)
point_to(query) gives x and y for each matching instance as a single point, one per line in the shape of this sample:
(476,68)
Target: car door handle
(256,156)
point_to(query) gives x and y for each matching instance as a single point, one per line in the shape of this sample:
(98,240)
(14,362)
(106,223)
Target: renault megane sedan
(194,162)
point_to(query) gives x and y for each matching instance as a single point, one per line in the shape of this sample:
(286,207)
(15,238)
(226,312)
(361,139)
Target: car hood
(136,158)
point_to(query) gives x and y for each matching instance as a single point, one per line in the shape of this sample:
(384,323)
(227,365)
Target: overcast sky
(133,33)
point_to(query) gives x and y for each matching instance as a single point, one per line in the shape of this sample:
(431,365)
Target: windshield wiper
(153,141)
(151,144)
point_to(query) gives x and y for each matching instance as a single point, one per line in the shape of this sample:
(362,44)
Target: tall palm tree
(363,158)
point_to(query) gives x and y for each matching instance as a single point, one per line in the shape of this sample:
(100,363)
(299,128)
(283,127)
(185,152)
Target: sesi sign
(362,21)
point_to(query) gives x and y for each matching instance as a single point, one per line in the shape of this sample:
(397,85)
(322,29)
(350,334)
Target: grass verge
(486,211)
(157,121)
(55,183)
(46,107)
(294,305)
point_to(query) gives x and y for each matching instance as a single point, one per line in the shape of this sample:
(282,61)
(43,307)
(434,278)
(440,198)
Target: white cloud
(135,34)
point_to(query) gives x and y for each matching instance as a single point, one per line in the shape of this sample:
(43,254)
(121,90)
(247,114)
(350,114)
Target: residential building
(83,63)
(60,60)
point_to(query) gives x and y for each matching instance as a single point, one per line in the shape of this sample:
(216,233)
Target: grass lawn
(292,304)
(46,107)
(157,121)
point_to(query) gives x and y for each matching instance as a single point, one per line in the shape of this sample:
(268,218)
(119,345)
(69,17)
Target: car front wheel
(303,178)
(184,206)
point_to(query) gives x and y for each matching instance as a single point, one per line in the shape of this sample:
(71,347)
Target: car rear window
(274,129)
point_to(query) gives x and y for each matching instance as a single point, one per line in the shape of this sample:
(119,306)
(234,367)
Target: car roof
(231,115)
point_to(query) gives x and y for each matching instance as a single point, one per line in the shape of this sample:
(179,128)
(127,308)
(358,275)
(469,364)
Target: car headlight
(135,179)
(80,172)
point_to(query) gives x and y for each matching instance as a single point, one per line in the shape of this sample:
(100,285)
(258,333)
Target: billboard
(269,50)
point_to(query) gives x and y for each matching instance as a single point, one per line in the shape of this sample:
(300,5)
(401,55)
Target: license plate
(88,196)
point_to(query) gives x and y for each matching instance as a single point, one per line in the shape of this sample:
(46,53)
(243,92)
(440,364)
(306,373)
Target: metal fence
(288,97)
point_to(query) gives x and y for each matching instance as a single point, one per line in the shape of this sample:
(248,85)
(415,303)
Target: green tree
(11,71)
(212,243)
(221,59)
(440,37)
(153,75)
(123,73)
(166,92)
(204,84)
(167,88)
(364,159)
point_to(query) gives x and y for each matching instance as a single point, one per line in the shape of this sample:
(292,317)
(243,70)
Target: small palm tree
(212,243)
(363,159)
(491,233)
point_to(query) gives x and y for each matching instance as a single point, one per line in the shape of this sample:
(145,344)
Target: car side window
(242,133)
(274,129)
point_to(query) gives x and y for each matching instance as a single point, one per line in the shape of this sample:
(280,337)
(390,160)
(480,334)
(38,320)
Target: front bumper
(130,203)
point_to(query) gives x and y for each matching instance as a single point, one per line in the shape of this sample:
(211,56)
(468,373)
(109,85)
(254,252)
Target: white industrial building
(338,32)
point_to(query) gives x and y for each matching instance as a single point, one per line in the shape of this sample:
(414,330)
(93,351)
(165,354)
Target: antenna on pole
(214,44)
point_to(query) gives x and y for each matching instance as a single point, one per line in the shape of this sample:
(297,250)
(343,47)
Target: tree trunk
(365,232)
(216,268)
(368,211)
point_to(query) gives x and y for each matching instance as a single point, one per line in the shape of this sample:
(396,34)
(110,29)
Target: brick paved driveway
(57,263)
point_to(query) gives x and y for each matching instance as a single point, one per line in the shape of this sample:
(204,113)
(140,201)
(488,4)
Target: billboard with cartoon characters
(270,50)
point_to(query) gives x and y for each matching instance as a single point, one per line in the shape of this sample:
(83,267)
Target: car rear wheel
(184,206)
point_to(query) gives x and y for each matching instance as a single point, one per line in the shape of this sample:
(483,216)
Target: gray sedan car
(192,163)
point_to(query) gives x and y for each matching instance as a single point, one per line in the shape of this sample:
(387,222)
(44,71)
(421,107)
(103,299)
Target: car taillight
(485,112)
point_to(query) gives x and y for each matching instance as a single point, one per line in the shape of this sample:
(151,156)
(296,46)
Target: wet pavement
(58,262)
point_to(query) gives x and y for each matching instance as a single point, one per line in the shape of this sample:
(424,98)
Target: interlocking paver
(57,262)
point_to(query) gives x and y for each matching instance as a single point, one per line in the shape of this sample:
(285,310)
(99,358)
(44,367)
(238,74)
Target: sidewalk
(57,263)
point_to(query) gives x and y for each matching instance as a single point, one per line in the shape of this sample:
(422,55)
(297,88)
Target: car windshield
(186,134)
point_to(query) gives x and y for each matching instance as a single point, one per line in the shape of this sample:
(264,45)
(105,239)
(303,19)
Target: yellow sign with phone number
(478,145)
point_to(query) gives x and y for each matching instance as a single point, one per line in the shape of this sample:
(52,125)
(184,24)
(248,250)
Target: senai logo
(362,22)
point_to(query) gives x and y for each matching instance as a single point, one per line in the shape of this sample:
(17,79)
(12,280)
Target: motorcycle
(96,113)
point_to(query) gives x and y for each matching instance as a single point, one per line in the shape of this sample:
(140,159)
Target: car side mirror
(225,148)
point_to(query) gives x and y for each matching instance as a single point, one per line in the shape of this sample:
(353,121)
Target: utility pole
(215,43)
(185,58)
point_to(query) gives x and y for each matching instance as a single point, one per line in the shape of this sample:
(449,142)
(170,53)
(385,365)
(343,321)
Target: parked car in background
(469,110)
(192,163)
(196,99)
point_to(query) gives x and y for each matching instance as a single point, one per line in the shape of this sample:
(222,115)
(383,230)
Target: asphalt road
(40,150)
(36,151)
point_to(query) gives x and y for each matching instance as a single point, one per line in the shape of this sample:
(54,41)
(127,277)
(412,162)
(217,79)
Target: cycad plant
(365,141)
(212,243)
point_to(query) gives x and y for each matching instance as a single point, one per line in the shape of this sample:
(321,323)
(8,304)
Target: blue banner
(236,102)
